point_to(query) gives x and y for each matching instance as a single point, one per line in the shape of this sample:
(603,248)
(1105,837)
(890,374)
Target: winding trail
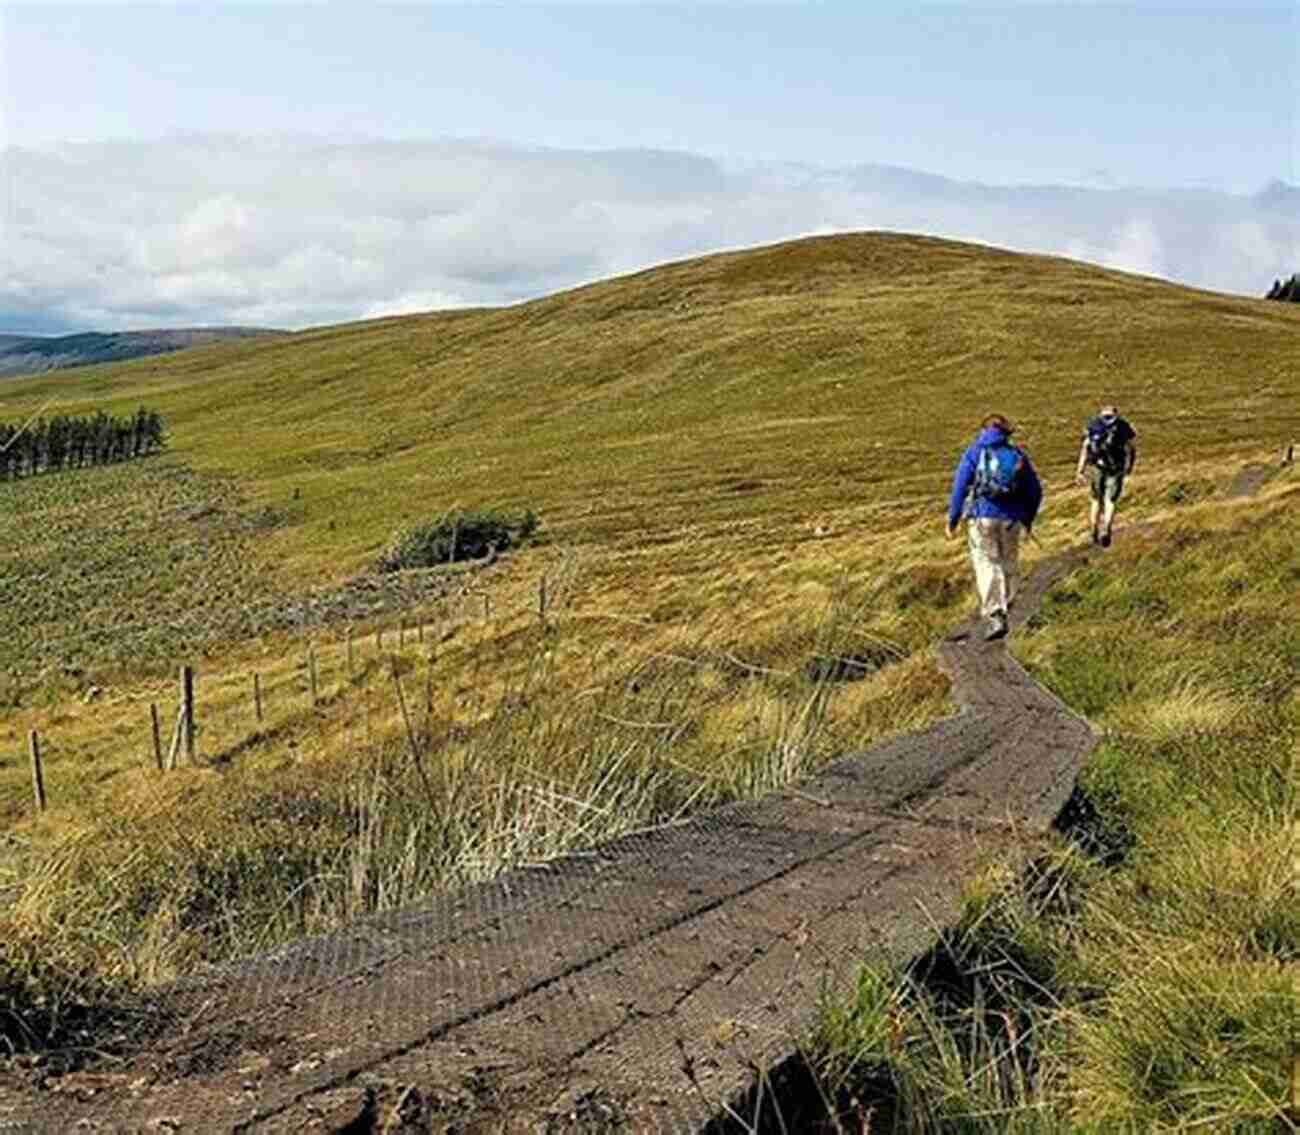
(641,983)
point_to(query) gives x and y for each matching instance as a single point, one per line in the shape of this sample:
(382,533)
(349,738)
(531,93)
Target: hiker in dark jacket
(997,491)
(1109,446)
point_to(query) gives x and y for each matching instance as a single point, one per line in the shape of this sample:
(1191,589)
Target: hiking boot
(1105,539)
(997,626)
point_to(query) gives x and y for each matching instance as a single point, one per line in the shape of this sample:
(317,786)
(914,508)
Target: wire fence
(208,719)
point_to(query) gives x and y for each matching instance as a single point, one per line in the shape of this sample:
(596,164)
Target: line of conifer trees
(64,442)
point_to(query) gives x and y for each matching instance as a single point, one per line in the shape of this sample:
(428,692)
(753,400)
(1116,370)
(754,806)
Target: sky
(186,163)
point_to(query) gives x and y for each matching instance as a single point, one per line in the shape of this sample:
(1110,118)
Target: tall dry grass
(403,792)
(1158,993)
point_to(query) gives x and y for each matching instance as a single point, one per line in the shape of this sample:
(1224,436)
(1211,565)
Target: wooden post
(419,632)
(401,634)
(311,672)
(187,703)
(349,652)
(487,606)
(175,747)
(541,598)
(38,776)
(379,640)
(257,696)
(157,735)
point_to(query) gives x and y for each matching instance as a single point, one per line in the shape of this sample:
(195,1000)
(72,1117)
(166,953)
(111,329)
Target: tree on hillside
(1287,290)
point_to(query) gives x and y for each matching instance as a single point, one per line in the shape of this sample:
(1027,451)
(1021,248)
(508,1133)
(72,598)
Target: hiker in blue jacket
(997,491)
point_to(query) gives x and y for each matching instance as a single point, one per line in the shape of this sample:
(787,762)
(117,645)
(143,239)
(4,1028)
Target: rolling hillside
(741,392)
(740,463)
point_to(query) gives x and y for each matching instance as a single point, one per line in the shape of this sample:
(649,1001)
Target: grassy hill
(740,464)
(647,408)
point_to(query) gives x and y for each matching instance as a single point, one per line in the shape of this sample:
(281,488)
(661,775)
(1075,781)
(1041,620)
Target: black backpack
(1106,442)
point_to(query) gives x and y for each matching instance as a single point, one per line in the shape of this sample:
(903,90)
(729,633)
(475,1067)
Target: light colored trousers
(995,555)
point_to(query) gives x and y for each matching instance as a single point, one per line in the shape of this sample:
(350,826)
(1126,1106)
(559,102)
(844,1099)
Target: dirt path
(633,988)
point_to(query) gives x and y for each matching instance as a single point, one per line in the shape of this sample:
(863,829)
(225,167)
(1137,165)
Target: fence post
(419,632)
(38,776)
(157,735)
(541,599)
(379,640)
(401,633)
(257,696)
(311,671)
(349,652)
(187,702)
(177,731)
(487,606)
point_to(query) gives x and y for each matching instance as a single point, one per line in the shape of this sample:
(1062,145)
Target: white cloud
(412,303)
(1134,247)
(1138,248)
(293,232)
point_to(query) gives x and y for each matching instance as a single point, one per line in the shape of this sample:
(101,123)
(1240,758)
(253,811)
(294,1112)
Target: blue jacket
(1022,507)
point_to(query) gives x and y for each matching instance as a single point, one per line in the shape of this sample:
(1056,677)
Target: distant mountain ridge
(34,354)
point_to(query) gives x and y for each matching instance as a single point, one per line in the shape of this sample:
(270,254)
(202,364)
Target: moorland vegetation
(739,464)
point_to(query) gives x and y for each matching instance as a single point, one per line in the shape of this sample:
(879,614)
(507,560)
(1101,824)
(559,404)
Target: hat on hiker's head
(998,422)
(1109,412)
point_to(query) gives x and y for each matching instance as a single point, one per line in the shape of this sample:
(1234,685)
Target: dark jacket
(1023,506)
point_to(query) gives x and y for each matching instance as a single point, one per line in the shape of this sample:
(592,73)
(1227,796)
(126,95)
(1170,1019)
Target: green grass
(740,465)
(122,569)
(1160,994)
(745,396)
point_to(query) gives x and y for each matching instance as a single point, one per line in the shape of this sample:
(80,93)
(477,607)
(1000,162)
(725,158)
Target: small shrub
(456,537)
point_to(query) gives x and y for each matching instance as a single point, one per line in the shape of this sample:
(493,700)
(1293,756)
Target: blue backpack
(998,472)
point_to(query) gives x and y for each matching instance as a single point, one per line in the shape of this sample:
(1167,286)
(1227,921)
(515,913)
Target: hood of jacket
(992,435)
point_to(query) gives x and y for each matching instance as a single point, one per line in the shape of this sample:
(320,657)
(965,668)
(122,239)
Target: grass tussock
(960,1040)
(1153,989)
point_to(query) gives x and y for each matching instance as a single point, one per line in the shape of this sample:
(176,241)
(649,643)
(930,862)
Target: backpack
(998,472)
(1105,448)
